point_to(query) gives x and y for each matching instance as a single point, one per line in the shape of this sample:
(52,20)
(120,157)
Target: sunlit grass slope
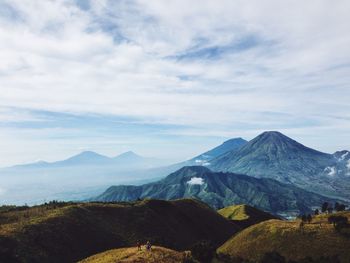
(245,215)
(132,255)
(287,238)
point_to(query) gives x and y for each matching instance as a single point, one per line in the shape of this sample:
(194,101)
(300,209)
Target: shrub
(203,251)
(273,257)
(338,222)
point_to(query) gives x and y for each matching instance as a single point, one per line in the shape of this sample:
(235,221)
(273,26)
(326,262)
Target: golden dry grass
(286,237)
(132,255)
(236,212)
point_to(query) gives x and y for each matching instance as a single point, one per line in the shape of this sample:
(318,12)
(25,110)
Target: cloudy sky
(170,78)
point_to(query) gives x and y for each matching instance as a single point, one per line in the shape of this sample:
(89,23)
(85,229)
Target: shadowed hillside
(315,240)
(245,215)
(75,231)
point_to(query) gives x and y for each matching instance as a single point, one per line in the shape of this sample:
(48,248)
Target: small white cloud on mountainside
(196,181)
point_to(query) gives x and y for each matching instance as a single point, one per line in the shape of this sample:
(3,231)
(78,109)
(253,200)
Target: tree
(317,212)
(309,218)
(304,218)
(324,207)
(336,206)
(339,207)
(330,209)
(338,222)
(203,251)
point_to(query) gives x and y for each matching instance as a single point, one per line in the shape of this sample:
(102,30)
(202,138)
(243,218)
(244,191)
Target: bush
(273,257)
(203,251)
(338,222)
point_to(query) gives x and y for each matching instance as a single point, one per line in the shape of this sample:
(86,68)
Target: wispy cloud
(233,68)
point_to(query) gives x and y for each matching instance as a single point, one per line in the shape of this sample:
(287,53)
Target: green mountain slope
(245,215)
(76,231)
(286,238)
(220,190)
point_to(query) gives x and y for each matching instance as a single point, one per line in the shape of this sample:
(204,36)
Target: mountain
(204,158)
(219,190)
(318,239)
(68,232)
(132,255)
(274,155)
(128,156)
(227,146)
(74,177)
(84,158)
(341,165)
(245,215)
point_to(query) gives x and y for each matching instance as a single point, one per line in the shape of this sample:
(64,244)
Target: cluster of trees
(9,208)
(47,205)
(327,207)
(339,222)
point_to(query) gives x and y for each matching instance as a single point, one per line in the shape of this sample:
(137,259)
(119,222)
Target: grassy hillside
(286,237)
(71,232)
(245,215)
(132,255)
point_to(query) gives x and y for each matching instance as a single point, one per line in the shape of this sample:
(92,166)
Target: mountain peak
(227,146)
(273,154)
(235,140)
(273,134)
(85,156)
(128,155)
(278,139)
(87,153)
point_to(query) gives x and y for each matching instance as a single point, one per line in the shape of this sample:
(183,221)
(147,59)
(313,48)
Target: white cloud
(196,181)
(342,158)
(118,58)
(331,171)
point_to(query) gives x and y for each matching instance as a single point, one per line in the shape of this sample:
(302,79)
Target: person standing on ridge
(139,248)
(148,246)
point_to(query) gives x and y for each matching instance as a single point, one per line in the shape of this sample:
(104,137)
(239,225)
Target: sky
(170,79)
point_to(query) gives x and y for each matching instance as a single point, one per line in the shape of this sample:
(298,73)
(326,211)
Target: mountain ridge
(219,189)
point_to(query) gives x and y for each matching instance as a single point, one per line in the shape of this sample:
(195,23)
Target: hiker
(148,246)
(139,248)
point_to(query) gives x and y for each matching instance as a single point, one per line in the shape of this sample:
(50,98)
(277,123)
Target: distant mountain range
(75,178)
(272,172)
(90,158)
(220,189)
(270,155)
